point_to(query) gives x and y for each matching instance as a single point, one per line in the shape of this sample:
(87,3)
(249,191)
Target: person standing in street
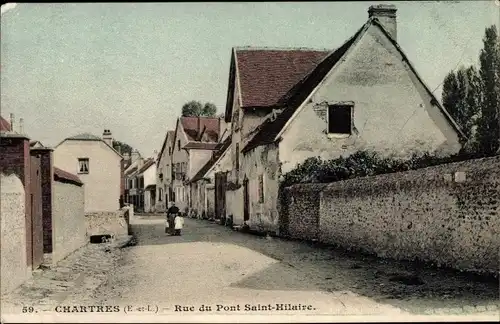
(172,212)
(178,224)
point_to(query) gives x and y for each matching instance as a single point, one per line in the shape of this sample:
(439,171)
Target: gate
(220,195)
(36,253)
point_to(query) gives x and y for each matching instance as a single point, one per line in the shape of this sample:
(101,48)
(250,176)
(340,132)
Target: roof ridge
(277,48)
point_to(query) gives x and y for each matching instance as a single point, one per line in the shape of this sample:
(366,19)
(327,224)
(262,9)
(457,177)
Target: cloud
(8,6)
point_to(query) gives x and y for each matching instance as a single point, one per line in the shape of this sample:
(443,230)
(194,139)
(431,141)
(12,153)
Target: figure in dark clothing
(172,212)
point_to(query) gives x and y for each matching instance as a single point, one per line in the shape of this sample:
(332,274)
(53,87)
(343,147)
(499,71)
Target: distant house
(164,172)
(98,166)
(130,179)
(205,199)
(194,141)
(146,179)
(291,104)
(36,144)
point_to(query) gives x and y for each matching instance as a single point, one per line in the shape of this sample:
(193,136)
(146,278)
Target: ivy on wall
(361,164)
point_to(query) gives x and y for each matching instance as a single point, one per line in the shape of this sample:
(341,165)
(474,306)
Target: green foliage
(361,164)
(473,98)
(488,131)
(122,147)
(196,108)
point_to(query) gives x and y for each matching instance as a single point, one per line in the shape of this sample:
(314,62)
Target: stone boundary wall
(13,256)
(68,219)
(113,223)
(448,215)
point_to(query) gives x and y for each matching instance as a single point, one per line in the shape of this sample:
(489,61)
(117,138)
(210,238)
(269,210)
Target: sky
(69,68)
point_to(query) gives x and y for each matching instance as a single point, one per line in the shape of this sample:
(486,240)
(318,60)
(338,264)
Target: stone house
(195,139)
(164,172)
(291,104)
(97,164)
(205,200)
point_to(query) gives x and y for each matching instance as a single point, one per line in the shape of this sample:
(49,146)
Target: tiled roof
(265,75)
(4,125)
(84,137)
(63,176)
(221,148)
(200,146)
(194,125)
(295,97)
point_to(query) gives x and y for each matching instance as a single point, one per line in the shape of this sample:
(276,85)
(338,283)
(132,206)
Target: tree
(122,147)
(488,126)
(209,110)
(195,108)
(461,92)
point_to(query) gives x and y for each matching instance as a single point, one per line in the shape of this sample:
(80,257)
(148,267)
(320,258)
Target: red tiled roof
(4,125)
(63,176)
(266,75)
(194,125)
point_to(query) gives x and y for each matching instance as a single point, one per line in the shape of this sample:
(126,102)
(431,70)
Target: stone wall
(447,214)
(13,227)
(68,219)
(113,223)
(303,202)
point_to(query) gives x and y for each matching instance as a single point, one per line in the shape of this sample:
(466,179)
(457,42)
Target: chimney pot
(386,15)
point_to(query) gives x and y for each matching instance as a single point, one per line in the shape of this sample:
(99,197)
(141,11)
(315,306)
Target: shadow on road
(406,285)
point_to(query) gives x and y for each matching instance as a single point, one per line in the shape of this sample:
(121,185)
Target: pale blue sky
(69,68)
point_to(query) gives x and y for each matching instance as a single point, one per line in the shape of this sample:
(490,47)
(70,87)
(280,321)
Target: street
(211,269)
(214,266)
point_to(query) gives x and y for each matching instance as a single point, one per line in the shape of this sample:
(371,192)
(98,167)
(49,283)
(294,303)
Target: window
(261,188)
(160,194)
(83,165)
(340,119)
(169,150)
(178,145)
(237,156)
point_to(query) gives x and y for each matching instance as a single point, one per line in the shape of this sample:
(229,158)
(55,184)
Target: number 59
(29,309)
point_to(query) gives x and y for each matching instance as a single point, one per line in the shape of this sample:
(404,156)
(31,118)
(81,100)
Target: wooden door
(246,213)
(36,212)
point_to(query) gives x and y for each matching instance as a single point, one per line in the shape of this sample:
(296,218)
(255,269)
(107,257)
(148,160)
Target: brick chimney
(386,15)
(107,137)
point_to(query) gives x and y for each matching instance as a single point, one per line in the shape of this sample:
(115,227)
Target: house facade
(147,185)
(164,172)
(98,166)
(202,184)
(365,95)
(195,140)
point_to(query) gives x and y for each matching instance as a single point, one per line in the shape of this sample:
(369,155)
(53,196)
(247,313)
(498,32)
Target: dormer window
(340,119)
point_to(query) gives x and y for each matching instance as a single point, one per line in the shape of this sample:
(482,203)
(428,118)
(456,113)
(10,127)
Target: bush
(361,164)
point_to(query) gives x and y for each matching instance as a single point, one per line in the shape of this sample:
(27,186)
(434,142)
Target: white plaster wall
(392,111)
(68,220)
(102,183)
(13,227)
(150,176)
(197,159)
(180,156)
(147,202)
(164,167)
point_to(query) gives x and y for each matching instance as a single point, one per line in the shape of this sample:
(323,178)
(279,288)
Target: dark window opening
(237,157)
(340,119)
(178,145)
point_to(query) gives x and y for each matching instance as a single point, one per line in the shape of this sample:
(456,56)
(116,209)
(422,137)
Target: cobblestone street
(213,265)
